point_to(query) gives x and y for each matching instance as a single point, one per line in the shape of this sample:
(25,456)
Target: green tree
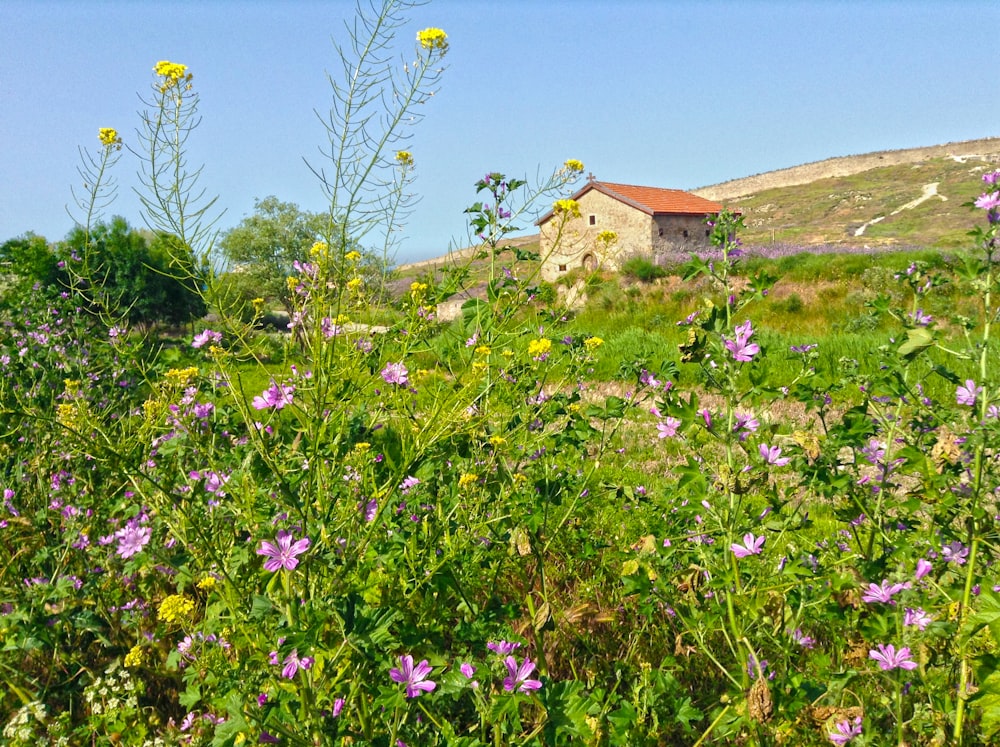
(134,279)
(30,260)
(265,245)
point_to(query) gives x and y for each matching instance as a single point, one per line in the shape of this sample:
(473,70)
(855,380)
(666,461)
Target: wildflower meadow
(381,528)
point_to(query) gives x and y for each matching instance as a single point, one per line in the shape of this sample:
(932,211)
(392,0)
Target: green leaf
(191,696)
(686,713)
(987,698)
(917,340)
(987,615)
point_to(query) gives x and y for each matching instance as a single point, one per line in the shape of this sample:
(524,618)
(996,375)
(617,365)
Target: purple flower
(923,568)
(338,706)
(469,672)
(648,379)
(517,676)
(369,510)
(215,482)
(802,639)
(283,552)
(668,428)
(988,201)
(274,397)
(751,546)
(414,677)
(409,482)
(920,318)
(888,658)
(874,452)
(132,538)
(745,424)
(966,395)
(396,373)
(883,592)
(742,349)
(917,617)
(293,664)
(205,337)
(503,647)
(844,731)
(772,455)
(955,552)
(803,348)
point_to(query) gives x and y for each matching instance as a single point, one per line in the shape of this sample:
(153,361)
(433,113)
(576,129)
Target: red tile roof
(656,201)
(650,200)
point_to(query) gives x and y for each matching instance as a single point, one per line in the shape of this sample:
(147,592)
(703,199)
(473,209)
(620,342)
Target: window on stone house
(562,268)
(661,230)
(593,220)
(685,233)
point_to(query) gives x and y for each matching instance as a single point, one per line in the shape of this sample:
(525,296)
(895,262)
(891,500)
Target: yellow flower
(483,350)
(319,250)
(497,440)
(342,319)
(573,165)
(433,39)
(175,608)
(404,158)
(181,376)
(172,74)
(109,137)
(352,256)
(292,283)
(592,343)
(207,583)
(467,479)
(480,365)
(540,347)
(354,284)
(67,415)
(257,302)
(135,656)
(362,447)
(152,409)
(570,208)
(607,237)
(72,386)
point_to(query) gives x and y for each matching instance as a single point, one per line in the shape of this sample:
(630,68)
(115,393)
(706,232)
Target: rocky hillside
(902,197)
(987,149)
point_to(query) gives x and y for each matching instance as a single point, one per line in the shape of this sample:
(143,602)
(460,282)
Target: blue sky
(670,94)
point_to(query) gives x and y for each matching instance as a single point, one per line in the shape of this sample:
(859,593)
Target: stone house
(649,221)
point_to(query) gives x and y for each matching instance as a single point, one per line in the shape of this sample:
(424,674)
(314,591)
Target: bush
(644,269)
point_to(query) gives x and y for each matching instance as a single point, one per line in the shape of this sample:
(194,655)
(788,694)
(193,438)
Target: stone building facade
(647,221)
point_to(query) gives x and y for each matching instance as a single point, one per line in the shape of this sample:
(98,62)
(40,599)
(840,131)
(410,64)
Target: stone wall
(679,234)
(639,234)
(578,246)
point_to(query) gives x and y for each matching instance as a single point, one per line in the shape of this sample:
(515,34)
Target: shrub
(643,268)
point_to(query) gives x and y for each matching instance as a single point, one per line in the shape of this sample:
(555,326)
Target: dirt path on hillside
(930,190)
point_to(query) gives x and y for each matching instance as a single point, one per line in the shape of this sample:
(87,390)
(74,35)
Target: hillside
(903,197)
